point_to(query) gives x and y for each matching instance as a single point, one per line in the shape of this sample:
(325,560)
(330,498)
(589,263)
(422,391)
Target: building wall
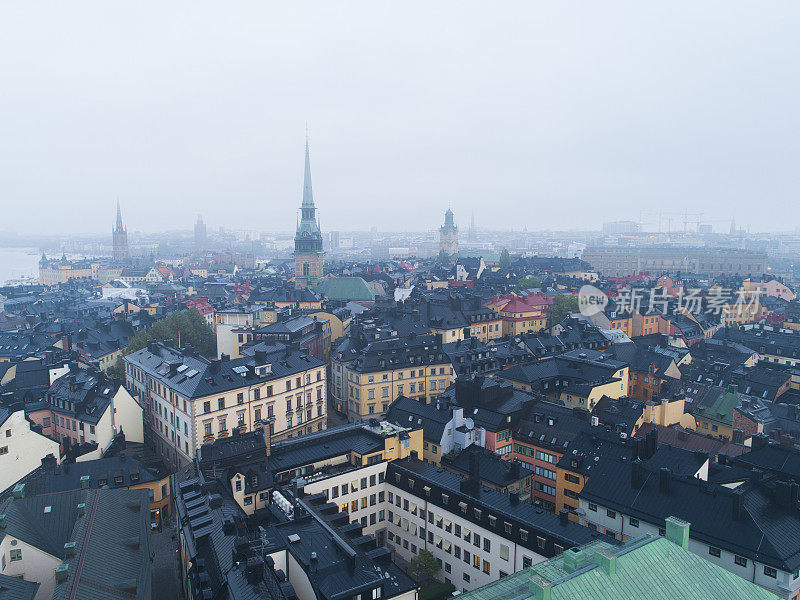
(315,269)
(625,261)
(668,412)
(128,417)
(405,524)
(369,394)
(361,493)
(620,526)
(177,425)
(21,450)
(36,565)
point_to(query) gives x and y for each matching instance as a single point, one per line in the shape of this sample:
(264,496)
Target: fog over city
(535,114)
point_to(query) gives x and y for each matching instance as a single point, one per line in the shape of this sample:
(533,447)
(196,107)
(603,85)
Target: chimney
(738,505)
(606,560)
(637,476)
(215,365)
(677,532)
(261,357)
(474,467)
(652,442)
(738,436)
(513,497)
(539,587)
(514,470)
(664,476)
(563,516)
(759,441)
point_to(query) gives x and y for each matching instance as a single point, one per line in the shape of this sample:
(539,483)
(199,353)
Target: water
(16,263)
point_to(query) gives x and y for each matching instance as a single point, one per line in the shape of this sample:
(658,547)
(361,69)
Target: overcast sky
(544,114)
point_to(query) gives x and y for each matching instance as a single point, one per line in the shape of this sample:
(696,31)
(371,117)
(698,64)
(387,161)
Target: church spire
(120,226)
(308,196)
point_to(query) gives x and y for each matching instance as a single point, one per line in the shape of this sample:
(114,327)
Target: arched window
(306,270)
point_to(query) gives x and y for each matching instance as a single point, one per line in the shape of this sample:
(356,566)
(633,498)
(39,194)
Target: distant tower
(448,235)
(200,236)
(472,235)
(120,238)
(733,226)
(308,239)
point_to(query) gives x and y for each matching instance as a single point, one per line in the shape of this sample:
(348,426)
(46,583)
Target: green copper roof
(347,288)
(718,405)
(650,567)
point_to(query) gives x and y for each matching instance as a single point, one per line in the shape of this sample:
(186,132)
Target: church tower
(308,239)
(448,235)
(119,236)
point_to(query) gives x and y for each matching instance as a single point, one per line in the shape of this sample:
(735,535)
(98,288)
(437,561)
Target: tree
(526,283)
(185,328)
(505,259)
(562,306)
(424,567)
(117,369)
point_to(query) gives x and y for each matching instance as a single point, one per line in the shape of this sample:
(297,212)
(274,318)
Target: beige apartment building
(190,400)
(415,367)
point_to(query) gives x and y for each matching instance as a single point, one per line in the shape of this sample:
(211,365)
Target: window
(207,406)
(487,545)
(633,522)
(16,554)
(240,396)
(571,478)
(713,551)
(207,427)
(542,472)
(592,507)
(547,489)
(486,567)
(611,514)
(740,560)
(503,551)
(527,561)
(466,556)
(770,572)
(466,577)
(662,531)
(221,403)
(476,562)
(3,450)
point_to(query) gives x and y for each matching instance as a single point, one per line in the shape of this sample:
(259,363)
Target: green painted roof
(718,405)
(650,567)
(347,288)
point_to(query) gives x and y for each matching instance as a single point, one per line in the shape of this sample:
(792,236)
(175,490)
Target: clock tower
(308,239)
